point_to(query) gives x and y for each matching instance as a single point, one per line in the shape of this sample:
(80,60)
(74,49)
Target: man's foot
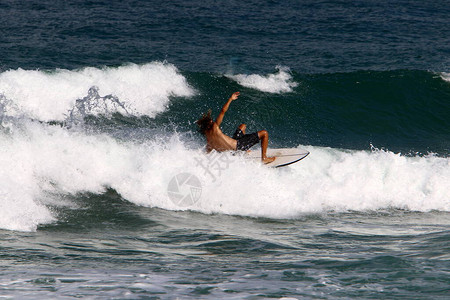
(268,160)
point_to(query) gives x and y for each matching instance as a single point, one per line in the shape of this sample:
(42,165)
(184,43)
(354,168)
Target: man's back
(219,141)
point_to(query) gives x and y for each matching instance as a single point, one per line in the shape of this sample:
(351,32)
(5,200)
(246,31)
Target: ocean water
(106,192)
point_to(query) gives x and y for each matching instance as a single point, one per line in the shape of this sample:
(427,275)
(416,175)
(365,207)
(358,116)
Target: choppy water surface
(114,249)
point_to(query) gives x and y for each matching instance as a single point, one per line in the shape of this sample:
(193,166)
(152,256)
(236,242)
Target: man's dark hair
(205,123)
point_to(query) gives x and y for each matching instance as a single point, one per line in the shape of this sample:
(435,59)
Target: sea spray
(94,105)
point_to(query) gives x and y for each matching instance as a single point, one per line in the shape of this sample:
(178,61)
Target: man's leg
(264,137)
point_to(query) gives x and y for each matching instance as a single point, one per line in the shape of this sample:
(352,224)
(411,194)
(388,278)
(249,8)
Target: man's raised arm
(225,108)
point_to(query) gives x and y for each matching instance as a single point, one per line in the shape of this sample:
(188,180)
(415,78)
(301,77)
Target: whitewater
(47,152)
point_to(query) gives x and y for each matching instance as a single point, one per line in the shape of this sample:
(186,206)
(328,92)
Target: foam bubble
(49,96)
(280,82)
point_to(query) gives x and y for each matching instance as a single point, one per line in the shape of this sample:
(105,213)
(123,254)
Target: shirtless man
(217,140)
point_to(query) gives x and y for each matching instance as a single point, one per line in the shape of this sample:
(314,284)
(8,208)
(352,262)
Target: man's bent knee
(263,133)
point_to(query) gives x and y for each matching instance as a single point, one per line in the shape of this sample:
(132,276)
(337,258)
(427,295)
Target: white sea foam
(41,159)
(19,191)
(46,96)
(331,180)
(277,83)
(445,76)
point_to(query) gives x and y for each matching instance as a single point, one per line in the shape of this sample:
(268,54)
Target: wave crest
(49,96)
(277,83)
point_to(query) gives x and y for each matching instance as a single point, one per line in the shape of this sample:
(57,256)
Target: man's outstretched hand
(235,95)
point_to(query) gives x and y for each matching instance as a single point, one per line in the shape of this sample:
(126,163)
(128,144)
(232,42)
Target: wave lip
(48,96)
(277,83)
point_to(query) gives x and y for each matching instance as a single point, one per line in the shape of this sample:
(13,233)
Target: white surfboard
(284,156)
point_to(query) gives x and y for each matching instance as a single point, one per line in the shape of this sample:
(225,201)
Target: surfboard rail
(284,156)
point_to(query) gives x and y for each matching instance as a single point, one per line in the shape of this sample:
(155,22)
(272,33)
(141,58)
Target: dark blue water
(98,103)
(307,36)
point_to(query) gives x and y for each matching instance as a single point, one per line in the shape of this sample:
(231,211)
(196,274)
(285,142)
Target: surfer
(217,140)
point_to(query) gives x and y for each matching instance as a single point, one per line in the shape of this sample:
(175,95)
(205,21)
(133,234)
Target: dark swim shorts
(245,141)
